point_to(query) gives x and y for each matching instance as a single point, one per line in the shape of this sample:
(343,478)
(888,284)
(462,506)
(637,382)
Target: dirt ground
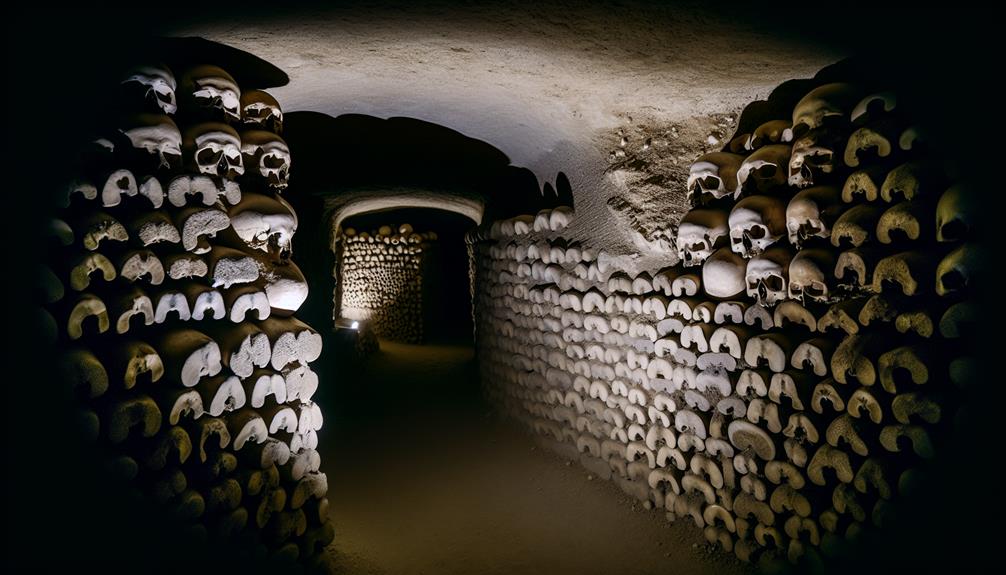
(425,479)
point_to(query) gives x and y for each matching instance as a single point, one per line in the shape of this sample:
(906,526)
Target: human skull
(215,149)
(816,153)
(267,154)
(265,223)
(812,275)
(771,132)
(158,136)
(260,109)
(756,222)
(212,89)
(157,84)
(825,105)
(713,175)
(763,170)
(700,232)
(811,213)
(723,274)
(767,274)
(955,215)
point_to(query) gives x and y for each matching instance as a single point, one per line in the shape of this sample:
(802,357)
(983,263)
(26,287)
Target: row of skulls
(797,153)
(211,147)
(748,204)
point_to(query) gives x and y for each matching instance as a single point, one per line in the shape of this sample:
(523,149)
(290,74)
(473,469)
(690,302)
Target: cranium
(157,135)
(812,212)
(157,84)
(215,149)
(266,224)
(825,105)
(756,222)
(811,275)
(817,152)
(874,105)
(767,275)
(212,89)
(955,215)
(700,232)
(723,274)
(267,155)
(764,170)
(771,132)
(260,109)
(715,175)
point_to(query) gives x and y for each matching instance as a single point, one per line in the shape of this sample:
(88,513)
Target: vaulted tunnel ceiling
(584,92)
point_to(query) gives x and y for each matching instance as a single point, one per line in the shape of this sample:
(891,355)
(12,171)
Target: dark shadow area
(368,152)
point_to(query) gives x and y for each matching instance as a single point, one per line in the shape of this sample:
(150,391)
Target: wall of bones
(381,279)
(793,372)
(174,294)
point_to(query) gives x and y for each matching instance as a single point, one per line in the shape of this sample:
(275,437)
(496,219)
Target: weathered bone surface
(856,225)
(815,156)
(86,266)
(86,306)
(723,274)
(875,139)
(909,220)
(863,185)
(189,355)
(212,91)
(956,271)
(766,275)
(228,267)
(756,222)
(811,276)
(713,175)
(955,215)
(764,170)
(266,155)
(157,84)
(701,232)
(266,224)
(830,103)
(260,109)
(95,227)
(141,265)
(214,149)
(197,224)
(811,214)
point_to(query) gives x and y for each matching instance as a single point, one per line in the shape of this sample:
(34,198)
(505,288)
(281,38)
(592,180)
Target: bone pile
(792,373)
(174,295)
(382,280)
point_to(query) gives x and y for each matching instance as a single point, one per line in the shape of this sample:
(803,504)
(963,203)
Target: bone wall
(382,279)
(173,295)
(797,370)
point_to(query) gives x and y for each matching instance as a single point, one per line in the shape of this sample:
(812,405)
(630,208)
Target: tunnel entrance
(403,275)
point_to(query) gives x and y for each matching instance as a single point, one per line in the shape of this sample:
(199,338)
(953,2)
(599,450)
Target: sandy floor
(425,480)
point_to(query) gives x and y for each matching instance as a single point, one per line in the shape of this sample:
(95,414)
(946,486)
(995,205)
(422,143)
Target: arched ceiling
(554,88)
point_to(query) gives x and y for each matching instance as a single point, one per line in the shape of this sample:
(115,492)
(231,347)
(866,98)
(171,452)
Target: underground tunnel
(621,288)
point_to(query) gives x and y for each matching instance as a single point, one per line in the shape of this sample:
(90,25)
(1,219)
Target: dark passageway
(425,478)
(463,288)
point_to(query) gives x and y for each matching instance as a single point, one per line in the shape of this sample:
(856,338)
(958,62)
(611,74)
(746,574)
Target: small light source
(346,323)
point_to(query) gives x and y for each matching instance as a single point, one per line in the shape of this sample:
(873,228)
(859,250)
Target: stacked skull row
(842,175)
(788,377)
(177,328)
